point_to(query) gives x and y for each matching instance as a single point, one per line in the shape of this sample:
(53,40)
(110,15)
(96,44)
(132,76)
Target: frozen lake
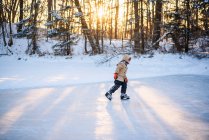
(167,107)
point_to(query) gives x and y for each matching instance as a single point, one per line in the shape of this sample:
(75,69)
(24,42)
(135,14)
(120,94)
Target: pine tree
(62,29)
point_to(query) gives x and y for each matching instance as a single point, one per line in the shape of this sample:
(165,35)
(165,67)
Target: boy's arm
(119,67)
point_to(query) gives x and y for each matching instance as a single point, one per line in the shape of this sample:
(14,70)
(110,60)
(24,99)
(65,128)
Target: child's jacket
(122,68)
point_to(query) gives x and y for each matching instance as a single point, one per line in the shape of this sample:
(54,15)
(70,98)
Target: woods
(142,22)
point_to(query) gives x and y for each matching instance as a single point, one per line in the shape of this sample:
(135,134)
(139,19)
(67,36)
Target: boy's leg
(124,96)
(124,87)
(113,89)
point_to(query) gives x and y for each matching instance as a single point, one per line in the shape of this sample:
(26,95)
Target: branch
(161,38)
(116,52)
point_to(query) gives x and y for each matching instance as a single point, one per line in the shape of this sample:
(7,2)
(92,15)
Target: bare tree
(187,25)
(142,29)
(157,22)
(111,22)
(205,17)
(85,27)
(34,11)
(116,17)
(126,20)
(21,15)
(97,26)
(49,10)
(2,22)
(136,30)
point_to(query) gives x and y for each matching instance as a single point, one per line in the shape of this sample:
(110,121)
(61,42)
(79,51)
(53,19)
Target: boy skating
(120,79)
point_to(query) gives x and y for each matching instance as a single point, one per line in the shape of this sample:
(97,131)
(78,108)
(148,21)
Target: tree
(49,10)
(21,15)
(157,22)
(187,34)
(63,19)
(126,20)
(2,21)
(142,29)
(116,18)
(85,28)
(97,34)
(110,9)
(34,10)
(205,9)
(136,30)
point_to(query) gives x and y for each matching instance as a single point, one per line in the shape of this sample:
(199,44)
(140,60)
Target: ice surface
(166,107)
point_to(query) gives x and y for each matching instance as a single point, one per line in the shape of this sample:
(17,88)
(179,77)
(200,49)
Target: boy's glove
(115,76)
(126,80)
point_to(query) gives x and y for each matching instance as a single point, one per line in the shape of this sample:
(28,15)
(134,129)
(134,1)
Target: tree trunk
(102,33)
(157,22)
(187,25)
(97,27)
(2,22)
(126,20)
(116,18)
(148,21)
(85,27)
(136,30)
(49,10)
(152,19)
(205,17)
(142,29)
(10,42)
(34,46)
(131,30)
(21,16)
(85,44)
(14,8)
(55,5)
(197,19)
(176,34)
(111,22)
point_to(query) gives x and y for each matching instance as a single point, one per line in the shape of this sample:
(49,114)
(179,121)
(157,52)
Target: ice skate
(108,95)
(124,96)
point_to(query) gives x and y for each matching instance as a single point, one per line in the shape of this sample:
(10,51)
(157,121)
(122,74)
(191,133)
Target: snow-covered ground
(59,98)
(58,71)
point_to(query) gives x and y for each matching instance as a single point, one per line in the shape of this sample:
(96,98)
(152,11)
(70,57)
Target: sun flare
(100,12)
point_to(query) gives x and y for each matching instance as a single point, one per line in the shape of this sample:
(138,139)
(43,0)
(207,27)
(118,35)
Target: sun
(100,12)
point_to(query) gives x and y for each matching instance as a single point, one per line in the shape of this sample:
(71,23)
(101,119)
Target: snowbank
(25,71)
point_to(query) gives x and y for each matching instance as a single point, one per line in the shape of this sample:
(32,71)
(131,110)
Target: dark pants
(117,85)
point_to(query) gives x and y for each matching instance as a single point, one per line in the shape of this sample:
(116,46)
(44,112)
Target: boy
(120,79)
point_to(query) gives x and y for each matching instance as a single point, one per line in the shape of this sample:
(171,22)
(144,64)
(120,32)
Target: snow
(56,15)
(23,71)
(58,98)
(59,71)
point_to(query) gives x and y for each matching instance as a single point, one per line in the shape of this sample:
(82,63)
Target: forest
(141,23)
(104,70)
